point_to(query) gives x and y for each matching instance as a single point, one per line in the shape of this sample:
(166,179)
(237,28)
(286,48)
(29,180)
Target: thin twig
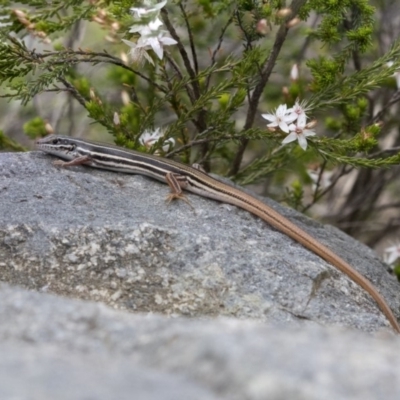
(384,152)
(266,71)
(379,116)
(386,206)
(182,51)
(189,30)
(201,120)
(356,56)
(175,103)
(307,40)
(201,141)
(109,60)
(344,171)
(71,115)
(216,50)
(179,73)
(318,183)
(135,97)
(71,89)
(248,45)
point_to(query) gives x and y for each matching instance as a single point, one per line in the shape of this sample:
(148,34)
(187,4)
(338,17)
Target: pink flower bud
(262,27)
(294,73)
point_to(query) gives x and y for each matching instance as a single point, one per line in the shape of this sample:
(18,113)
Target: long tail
(241,199)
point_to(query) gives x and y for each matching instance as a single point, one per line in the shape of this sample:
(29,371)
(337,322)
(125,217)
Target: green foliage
(35,128)
(344,20)
(334,92)
(294,196)
(8,144)
(325,72)
(210,8)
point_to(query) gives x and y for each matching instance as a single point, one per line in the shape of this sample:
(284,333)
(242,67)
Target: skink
(180,176)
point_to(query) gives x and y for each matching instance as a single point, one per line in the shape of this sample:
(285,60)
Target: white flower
(299,108)
(149,139)
(152,37)
(143,29)
(159,41)
(139,11)
(138,51)
(299,132)
(281,118)
(155,42)
(391,254)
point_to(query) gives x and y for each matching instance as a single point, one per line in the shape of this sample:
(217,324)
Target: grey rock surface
(58,348)
(52,373)
(110,237)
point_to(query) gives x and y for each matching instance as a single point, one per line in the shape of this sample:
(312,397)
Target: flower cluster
(148,25)
(292,121)
(149,139)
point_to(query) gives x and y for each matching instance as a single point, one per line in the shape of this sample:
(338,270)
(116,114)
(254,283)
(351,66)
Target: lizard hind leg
(176,189)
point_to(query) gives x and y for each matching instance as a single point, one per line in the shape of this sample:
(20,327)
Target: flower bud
(49,129)
(311,124)
(98,20)
(19,14)
(115,26)
(294,73)
(292,22)
(102,13)
(262,27)
(41,34)
(125,98)
(111,39)
(116,119)
(285,91)
(124,57)
(284,12)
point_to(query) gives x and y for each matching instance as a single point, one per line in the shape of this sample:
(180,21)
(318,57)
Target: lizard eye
(56,141)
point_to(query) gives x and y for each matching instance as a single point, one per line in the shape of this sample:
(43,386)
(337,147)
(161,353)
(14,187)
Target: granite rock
(110,237)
